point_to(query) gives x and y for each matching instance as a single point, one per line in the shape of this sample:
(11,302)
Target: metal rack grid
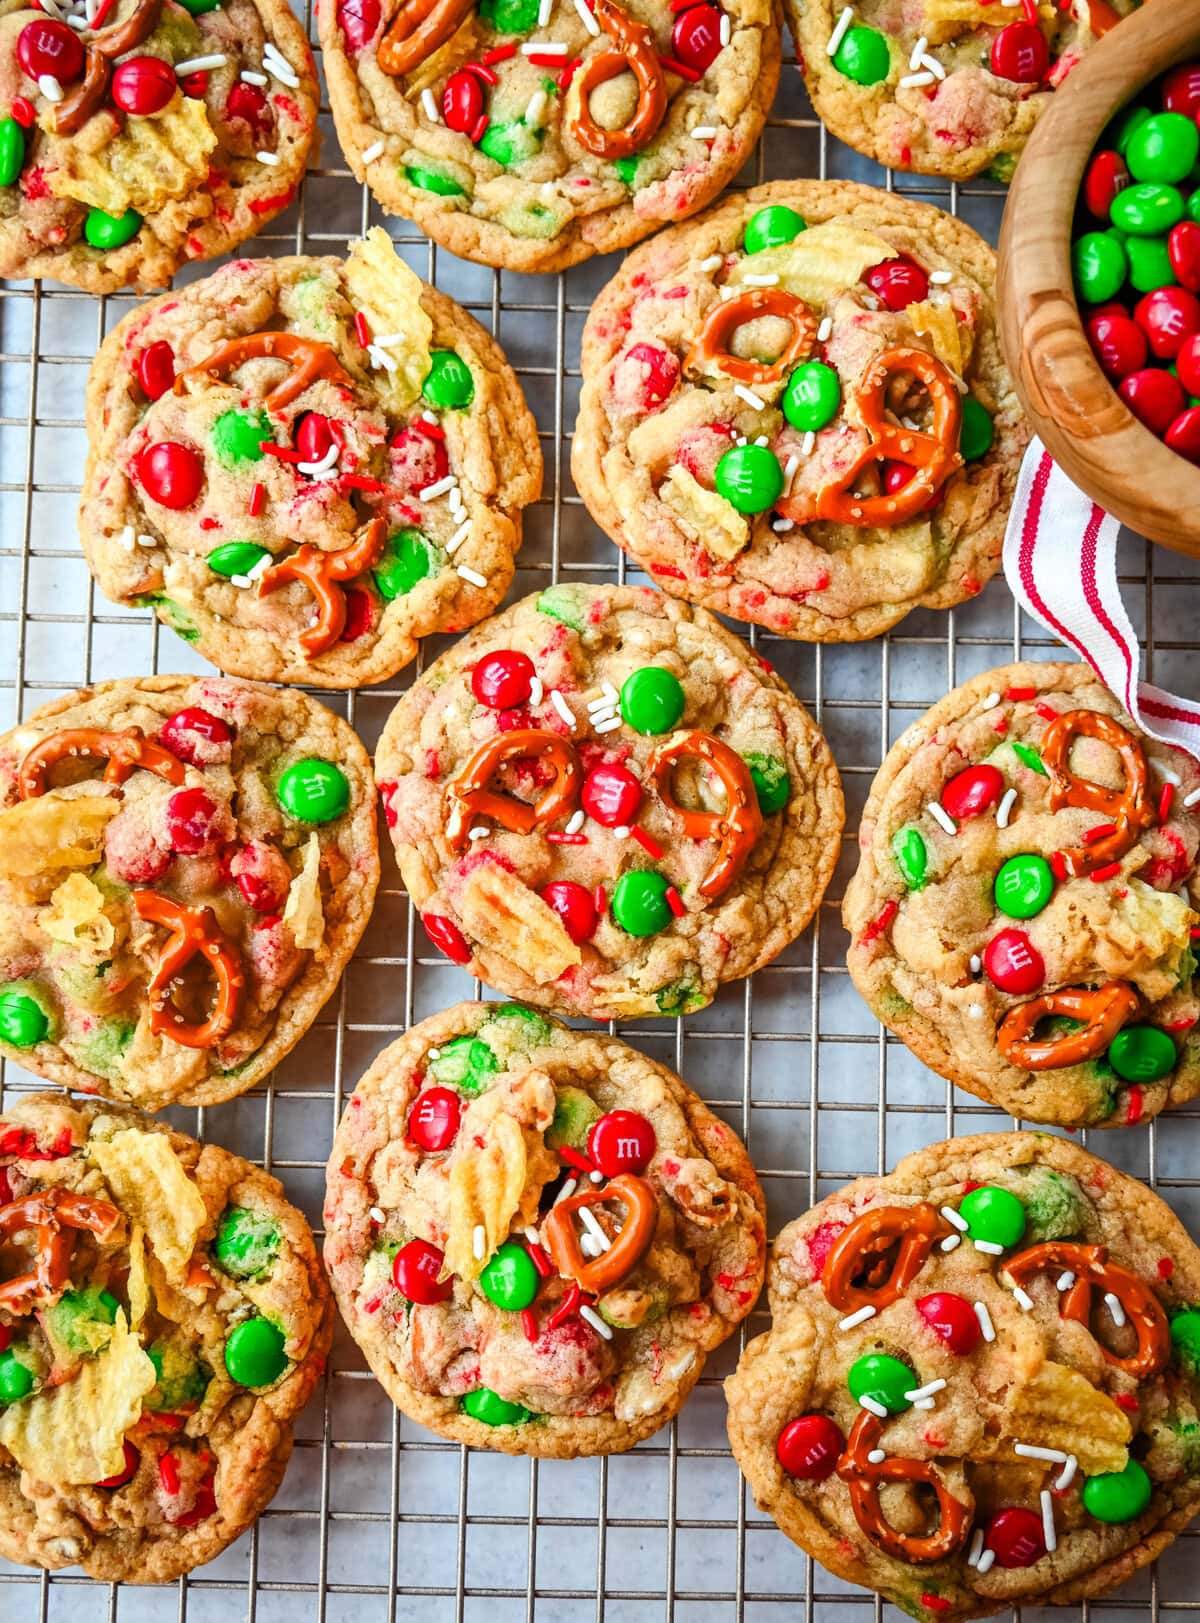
(376,1519)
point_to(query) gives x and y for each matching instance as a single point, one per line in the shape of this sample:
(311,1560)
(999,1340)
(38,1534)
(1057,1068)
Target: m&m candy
(1016,1537)
(1023,885)
(812,396)
(574,905)
(510,1279)
(313,791)
(492,1410)
(254,1353)
(1020,53)
(973,791)
(652,700)
(750,478)
(809,1447)
(696,37)
(883,1379)
(993,1215)
(863,56)
(611,795)
(156,367)
(434,1119)
(23,1021)
(170,473)
(1118,1496)
(899,282)
(504,679)
(771,227)
(143,85)
(448,384)
(1013,964)
(621,1141)
(1142,1054)
(415,1270)
(952,1319)
(16,1379)
(639,902)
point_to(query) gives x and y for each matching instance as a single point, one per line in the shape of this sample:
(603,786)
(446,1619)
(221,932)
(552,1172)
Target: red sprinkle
(1019,693)
(168,1473)
(1046,711)
(568,73)
(1183,1024)
(359,481)
(1000,725)
(1164,802)
(568,1305)
(681,68)
(431,431)
(480,130)
(1101,830)
(257,497)
(574,1159)
(675,902)
(362,328)
(1136,1104)
(23,111)
(283,452)
(1109,871)
(480,72)
(1166,1267)
(880,922)
(1058,866)
(529,1324)
(935,1603)
(681,5)
(1195,933)
(539,1259)
(649,846)
(599,899)
(543,59)
(1127,1401)
(500,53)
(567,839)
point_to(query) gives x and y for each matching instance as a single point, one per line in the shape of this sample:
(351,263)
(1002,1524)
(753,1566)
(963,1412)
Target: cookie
(536,1235)
(186,865)
(154,135)
(943,87)
(530,134)
(979,1390)
(771,421)
(1023,911)
(163,1318)
(304,465)
(602,802)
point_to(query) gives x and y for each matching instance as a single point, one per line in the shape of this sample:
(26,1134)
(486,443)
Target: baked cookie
(981,1384)
(186,866)
(771,420)
(602,802)
(943,87)
(531,134)
(163,1318)
(536,1235)
(1023,913)
(304,465)
(150,135)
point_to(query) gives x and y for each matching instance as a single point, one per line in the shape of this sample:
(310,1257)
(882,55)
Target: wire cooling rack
(378,1520)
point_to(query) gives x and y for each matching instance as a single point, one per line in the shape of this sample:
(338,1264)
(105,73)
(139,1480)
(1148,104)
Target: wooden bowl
(1073,407)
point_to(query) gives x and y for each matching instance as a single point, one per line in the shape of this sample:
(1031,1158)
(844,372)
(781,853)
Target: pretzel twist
(53,1213)
(634,50)
(737,827)
(418,28)
(933,456)
(1103,1012)
(123,752)
(711,346)
(73,112)
(598,1274)
(308,358)
(864,1479)
(1128,808)
(1094,1272)
(323,572)
(912,1229)
(468,796)
(193,930)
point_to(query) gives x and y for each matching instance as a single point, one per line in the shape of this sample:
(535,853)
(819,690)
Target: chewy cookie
(531,134)
(943,87)
(603,802)
(163,1318)
(1023,912)
(141,134)
(771,420)
(186,866)
(304,465)
(536,1235)
(981,1383)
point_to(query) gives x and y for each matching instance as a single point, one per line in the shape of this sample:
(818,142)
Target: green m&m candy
(1126,127)
(510,143)
(1146,210)
(111,230)
(448,384)
(812,396)
(238,435)
(863,56)
(313,791)
(489,1407)
(509,16)
(408,559)
(750,478)
(627,168)
(199,7)
(246,1242)
(12,150)
(1185,1338)
(1099,266)
(1023,886)
(254,1354)
(235,558)
(1028,756)
(1193,206)
(1163,148)
(639,902)
(771,779)
(1149,263)
(23,1021)
(652,700)
(977,433)
(769,227)
(510,1280)
(16,1381)
(912,856)
(993,1215)
(432,180)
(1118,1496)
(1142,1054)
(883,1378)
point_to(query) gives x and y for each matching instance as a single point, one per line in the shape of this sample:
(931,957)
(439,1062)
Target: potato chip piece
(303,913)
(76,917)
(1060,1408)
(152,161)
(74,1433)
(54,830)
(502,912)
(707,517)
(150,1186)
(138,1285)
(939,322)
(820,263)
(946,19)
(486,1184)
(389,295)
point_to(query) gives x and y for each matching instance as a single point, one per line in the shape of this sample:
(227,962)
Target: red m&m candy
(415,1270)
(1187,363)
(972,791)
(248,103)
(621,1141)
(659,373)
(187,731)
(48,46)
(462,101)
(1181,90)
(358,19)
(1020,53)
(1120,344)
(193,822)
(574,905)
(171,474)
(1184,434)
(314,438)
(447,937)
(125,1474)
(434,1118)
(503,680)
(1183,249)
(696,36)
(156,369)
(143,85)
(611,796)
(1155,398)
(1107,174)
(1168,316)
(952,1319)
(1012,963)
(809,1448)
(360,614)
(1017,1537)
(898,282)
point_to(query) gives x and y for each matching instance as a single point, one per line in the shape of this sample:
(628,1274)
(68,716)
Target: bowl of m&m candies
(1100,274)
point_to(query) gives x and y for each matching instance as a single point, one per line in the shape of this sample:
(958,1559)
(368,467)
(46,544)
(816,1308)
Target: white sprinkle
(789,469)
(604,701)
(1023,1299)
(536,691)
(125,539)
(824,330)
(782,526)
(749,396)
(594,1229)
(726,28)
(703,132)
(1068,1473)
(918,50)
(588,1246)
(932,65)
(563,708)
(472,575)
(992,700)
(1192,798)
(607,727)
(920,1392)
(942,817)
(438,488)
(976,1549)
(762,439)
(714,262)
(876,1455)
(924,1403)
(543,47)
(152,541)
(51,8)
(247,76)
(586,18)
(478,1239)
(1030,1451)
(457,539)
(535,109)
(989,1246)
(916,81)
(375,150)
(985,1321)
(596,1322)
(435,1053)
(1048,1529)
(986,1562)
(975,1011)
(976,963)
(480,833)
(951,1242)
(377,1216)
(430,106)
(1113,1303)
(567,1190)
(1167,775)
(809,442)
(766,279)
(621,832)
(1004,809)
(380,358)
(279,69)
(872,1407)
(609,692)
(840,30)
(77,23)
(1065,1280)
(328,461)
(575,822)
(544,10)
(200,64)
(954,1220)
(531,1234)
(860,1317)
(50,87)
(939,278)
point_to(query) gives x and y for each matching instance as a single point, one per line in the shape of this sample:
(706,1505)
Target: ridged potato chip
(486,1185)
(152,161)
(712,520)
(389,294)
(54,830)
(943,20)
(149,1184)
(302,912)
(502,912)
(76,917)
(939,322)
(1060,1408)
(820,263)
(138,1286)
